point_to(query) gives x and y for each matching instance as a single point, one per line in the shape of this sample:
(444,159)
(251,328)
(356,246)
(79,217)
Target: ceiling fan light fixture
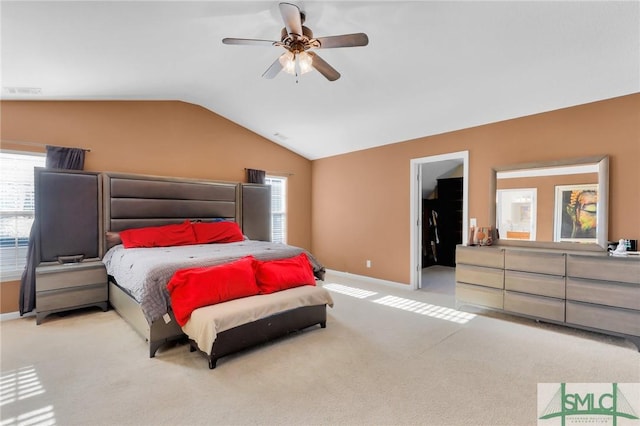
(289,59)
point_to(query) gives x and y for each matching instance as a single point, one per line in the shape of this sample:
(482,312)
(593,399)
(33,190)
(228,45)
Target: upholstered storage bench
(224,328)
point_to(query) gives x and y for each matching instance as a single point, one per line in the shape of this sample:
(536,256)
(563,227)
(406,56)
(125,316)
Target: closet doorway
(439,189)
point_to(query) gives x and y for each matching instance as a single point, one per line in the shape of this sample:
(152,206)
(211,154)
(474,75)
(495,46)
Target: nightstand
(62,287)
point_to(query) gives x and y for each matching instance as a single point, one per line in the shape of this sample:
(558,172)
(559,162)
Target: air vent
(23,90)
(280,136)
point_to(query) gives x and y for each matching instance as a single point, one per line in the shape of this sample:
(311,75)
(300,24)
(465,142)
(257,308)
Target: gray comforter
(145,272)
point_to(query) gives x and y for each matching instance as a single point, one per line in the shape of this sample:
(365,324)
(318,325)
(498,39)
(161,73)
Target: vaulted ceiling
(430,66)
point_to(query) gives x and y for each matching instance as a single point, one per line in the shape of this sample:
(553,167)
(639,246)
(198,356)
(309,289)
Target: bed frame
(263,330)
(134,201)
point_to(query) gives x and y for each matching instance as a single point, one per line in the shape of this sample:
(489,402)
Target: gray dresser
(595,292)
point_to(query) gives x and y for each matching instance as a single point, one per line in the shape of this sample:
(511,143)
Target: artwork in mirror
(576,213)
(561,204)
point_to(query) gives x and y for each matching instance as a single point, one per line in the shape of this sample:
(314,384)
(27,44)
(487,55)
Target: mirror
(560,204)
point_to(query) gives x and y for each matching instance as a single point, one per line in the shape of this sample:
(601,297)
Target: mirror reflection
(516,213)
(563,202)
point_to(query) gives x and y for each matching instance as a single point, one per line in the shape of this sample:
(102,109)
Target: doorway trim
(416,208)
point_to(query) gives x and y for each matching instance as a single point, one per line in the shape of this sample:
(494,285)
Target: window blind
(278,208)
(17,205)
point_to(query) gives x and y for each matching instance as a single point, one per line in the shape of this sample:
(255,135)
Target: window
(16,209)
(278,208)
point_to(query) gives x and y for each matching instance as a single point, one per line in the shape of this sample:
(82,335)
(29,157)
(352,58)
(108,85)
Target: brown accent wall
(158,138)
(361,199)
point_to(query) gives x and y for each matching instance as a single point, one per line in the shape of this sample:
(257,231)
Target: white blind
(16,209)
(278,208)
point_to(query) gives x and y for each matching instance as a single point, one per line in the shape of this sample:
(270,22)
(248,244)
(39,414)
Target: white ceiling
(430,66)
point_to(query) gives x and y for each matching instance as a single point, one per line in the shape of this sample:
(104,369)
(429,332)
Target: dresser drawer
(622,295)
(540,284)
(488,277)
(476,295)
(535,306)
(480,256)
(55,277)
(71,297)
(618,320)
(541,263)
(606,268)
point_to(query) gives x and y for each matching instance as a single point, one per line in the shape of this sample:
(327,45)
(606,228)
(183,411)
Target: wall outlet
(368,264)
(473,222)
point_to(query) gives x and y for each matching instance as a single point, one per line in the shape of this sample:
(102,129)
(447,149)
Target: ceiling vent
(23,90)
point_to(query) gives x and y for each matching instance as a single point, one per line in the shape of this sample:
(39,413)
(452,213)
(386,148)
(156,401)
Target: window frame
(20,242)
(282,213)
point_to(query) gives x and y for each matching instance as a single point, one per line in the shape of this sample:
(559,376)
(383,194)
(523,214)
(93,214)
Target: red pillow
(217,232)
(277,275)
(194,288)
(159,236)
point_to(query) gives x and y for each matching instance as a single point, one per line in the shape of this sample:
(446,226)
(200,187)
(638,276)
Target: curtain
(65,158)
(256,176)
(57,158)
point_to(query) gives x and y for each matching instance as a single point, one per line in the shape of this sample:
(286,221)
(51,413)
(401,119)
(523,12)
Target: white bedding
(206,322)
(145,272)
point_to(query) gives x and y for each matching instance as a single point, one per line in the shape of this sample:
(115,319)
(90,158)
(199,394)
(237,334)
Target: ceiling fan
(298,40)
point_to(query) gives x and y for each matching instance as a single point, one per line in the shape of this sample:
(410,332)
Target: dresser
(589,291)
(70,286)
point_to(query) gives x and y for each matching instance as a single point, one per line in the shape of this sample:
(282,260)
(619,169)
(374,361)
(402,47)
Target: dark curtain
(65,158)
(57,158)
(256,176)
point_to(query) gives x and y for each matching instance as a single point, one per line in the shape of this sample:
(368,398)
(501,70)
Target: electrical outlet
(368,264)
(473,222)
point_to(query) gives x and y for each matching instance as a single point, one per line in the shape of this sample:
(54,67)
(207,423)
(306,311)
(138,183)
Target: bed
(138,277)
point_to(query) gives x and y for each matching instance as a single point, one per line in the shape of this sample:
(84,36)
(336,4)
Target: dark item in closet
(442,223)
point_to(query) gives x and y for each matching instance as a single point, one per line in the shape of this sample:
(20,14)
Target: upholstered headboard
(135,201)
(69,211)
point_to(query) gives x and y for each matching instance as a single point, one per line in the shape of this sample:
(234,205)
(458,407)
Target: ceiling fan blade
(291,17)
(250,42)
(273,70)
(324,68)
(346,40)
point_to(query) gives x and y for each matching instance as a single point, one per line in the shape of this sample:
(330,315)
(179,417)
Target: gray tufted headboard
(135,201)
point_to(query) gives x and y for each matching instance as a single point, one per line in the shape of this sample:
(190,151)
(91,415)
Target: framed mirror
(560,204)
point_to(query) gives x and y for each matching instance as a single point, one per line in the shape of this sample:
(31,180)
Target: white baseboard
(371,280)
(15,315)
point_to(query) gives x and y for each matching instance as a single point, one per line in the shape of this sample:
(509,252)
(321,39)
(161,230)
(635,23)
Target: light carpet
(375,363)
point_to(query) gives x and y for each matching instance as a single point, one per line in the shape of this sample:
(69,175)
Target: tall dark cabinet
(442,223)
(70,274)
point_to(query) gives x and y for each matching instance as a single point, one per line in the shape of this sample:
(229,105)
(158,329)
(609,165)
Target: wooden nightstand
(70,286)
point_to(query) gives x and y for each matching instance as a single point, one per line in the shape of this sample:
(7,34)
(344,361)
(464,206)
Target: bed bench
(225,328)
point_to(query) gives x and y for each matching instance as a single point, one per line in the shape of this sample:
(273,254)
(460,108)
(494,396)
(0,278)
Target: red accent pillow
(277,275)
(217,232)
(159,236)
(194,288)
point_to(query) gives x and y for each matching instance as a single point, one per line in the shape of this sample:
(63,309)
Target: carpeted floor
(391,357)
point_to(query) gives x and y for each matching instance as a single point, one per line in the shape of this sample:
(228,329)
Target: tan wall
(361,199)
(158,138)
